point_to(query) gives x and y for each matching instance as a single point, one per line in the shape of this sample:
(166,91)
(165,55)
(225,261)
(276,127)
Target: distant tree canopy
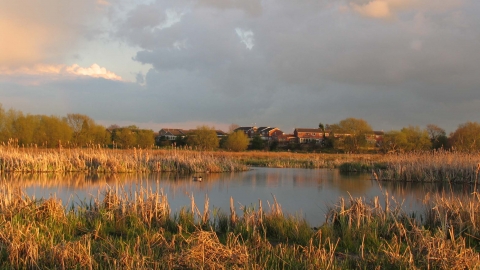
(131,136)
(30,130)
(85,131)
(203,138)
(407,139)
(353,133)
(257,143)
(466,137)
(236,141)
(74,130)
(438,137)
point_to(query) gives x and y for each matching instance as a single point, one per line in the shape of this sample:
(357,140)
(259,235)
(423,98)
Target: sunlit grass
(136,230)
(103,160)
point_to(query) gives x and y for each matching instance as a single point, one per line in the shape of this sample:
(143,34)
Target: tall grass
(436,166)
(136,230)
(101,160)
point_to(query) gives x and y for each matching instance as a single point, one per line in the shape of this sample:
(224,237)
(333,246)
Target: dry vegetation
(436,166)
(122,230)
(298,160)
(101,160)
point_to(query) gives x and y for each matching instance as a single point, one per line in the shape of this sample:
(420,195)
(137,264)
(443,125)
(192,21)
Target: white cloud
(54,71)
(172,17)
(179,45)
(246,37)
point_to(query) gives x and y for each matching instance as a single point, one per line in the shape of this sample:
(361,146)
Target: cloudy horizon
(183,63)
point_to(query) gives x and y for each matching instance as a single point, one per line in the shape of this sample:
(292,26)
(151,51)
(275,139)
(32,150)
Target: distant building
(310,135)
(249,131)
(220,134)
(170,134)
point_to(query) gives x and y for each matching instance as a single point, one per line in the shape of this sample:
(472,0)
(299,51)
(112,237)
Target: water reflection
(304,192)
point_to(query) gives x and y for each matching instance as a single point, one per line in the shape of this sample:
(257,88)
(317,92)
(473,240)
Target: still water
(306,193)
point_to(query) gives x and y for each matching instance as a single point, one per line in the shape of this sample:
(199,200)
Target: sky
(280,63)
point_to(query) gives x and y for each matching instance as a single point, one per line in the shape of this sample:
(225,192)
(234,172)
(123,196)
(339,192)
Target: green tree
(394,141)
(466,137)
(417,139)
(145,138)
(124,138)
(100,135)
(236,141)
(407,139)
(257,143)
(7,119)
(24,129)
(52,131)
(438,137)
(351,133)
(85,131)
(203,138)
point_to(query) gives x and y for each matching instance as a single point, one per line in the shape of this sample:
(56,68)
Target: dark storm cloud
(314,60)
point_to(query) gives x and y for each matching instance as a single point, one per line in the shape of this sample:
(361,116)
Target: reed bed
(101,160)
(434,166)
(136,230)
(298,160)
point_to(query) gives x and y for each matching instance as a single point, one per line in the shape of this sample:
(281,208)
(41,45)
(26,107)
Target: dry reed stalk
(434,166)
(205,211)
(233,215)
(22,244)
(320,257)
(205,251)
(275,207)
(51,208)
(69,255)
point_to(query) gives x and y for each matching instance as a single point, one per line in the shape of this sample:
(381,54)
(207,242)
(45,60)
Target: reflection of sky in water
(304,192)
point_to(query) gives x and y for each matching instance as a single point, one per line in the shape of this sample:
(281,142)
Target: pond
(306,193)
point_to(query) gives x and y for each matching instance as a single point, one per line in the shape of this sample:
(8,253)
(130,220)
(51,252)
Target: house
(284,139)
(220,134)
(249,131)
(170,134)
(375,138)
(310,135)
(269,133)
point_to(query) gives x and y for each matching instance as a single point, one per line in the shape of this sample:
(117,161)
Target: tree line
(349,135)
(73,130)
(412,138)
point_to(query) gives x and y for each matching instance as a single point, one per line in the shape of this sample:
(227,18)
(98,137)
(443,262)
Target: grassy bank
(298,160)
(138,231)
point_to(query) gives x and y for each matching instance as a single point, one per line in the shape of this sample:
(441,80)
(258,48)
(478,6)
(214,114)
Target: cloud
(44,31)
(294,63)
(250,7)
(374,9)
(386,9)
(246,37)
(151,25)
(51,72)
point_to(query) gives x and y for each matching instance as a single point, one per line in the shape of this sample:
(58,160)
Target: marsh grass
(136,230)
(102,160)
(298,160)
(433,166)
